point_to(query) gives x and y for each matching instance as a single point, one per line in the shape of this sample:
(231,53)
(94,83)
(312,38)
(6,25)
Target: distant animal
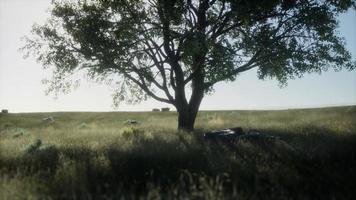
(4,111)
(165,109)
(155,110)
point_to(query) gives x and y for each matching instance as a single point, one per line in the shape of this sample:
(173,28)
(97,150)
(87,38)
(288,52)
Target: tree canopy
(162,48)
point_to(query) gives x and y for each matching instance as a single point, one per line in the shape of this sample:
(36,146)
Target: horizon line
(270,108)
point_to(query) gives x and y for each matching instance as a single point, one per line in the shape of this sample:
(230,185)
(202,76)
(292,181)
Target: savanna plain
(99,156)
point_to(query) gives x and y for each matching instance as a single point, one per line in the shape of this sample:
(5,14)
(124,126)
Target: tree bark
(187,113)
(186,120)
(187,116)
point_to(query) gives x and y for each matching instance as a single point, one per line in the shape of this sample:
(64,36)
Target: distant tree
(167,49)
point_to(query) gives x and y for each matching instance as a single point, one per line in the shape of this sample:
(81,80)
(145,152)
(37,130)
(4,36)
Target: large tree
(176,50)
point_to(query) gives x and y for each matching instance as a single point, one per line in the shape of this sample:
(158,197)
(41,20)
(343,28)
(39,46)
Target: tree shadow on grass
(325,161)
(321,167)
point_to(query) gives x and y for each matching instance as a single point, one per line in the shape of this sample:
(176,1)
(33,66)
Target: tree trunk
(186,121)
(187,113)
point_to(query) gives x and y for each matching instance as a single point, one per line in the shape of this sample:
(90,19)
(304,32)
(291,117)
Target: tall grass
(108,159)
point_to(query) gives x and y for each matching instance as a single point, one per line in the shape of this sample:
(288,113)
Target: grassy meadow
(98,156)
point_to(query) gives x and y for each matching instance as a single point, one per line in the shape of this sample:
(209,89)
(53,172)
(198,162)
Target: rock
(131,122)
(229,133)
(155,110)
(48,120)
(83,125)
(165,109)
(237,133)
(257,135)
(269,143)
(4,111)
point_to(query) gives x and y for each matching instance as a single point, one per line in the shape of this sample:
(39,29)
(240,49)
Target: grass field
(98,156)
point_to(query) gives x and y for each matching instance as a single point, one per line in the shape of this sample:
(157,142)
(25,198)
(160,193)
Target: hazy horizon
(172,109)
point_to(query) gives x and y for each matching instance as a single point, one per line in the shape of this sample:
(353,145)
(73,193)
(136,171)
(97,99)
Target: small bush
(39,157)
(133,133)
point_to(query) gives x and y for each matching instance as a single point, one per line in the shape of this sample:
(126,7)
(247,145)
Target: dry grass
(106,159)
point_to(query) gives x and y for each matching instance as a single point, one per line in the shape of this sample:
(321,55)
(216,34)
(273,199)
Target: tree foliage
(159,48)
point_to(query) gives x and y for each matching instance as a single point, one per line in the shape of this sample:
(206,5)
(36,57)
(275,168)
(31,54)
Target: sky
(21,89)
